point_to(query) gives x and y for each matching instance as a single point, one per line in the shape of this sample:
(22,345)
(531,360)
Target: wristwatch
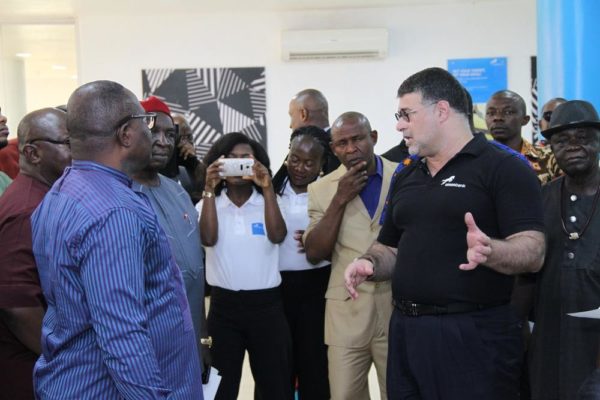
(206,341)
(206,194)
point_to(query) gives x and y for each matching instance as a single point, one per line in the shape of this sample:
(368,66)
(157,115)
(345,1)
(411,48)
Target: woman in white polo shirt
(240,227)
(303,284)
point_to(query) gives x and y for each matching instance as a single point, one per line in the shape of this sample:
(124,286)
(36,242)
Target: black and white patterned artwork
(214,101)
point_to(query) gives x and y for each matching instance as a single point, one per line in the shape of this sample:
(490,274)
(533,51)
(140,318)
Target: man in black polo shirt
(462,218)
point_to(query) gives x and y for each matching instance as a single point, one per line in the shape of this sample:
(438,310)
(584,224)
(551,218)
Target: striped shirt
(118,324)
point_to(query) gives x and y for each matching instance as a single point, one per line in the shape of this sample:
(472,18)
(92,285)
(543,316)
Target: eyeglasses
(66,142)
(547,115)
(405,115)
(149,119)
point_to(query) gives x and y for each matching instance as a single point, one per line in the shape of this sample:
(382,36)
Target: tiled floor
(247,385)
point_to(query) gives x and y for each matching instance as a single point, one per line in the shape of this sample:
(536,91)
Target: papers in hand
(210,389)
(595,314)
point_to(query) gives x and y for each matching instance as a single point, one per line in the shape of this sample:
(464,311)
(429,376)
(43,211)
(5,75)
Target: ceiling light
(23,55)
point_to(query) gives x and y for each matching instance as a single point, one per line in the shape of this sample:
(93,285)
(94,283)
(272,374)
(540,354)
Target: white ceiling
(39,10)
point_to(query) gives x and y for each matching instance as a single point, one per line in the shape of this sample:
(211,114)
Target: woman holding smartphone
(240,227)
(303,284)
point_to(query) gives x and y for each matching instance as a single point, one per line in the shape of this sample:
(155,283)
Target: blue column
(568,50)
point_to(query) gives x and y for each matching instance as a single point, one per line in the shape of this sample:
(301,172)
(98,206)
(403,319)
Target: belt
(411,309)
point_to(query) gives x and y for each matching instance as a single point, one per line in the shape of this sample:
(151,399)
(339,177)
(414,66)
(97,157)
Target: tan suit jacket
(352,323)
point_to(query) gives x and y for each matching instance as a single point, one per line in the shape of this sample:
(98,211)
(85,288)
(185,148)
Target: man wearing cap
(176,214)
(564,349)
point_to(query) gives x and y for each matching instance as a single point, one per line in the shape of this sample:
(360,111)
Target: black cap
(572,114)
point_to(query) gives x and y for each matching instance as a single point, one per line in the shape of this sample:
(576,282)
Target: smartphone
(236,166)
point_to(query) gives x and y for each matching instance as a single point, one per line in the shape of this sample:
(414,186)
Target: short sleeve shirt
(425,222)
(243,258)
(294,207)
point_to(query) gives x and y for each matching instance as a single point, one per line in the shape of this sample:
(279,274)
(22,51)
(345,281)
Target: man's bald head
(352,118)
(505,116)
(309,107)
(515,98)
(108,125)
(353,141)
(95,109)
(548,109)
(34,125)
(44,144)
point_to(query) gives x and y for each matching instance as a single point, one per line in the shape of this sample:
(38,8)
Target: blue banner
(568,56)
(480,76)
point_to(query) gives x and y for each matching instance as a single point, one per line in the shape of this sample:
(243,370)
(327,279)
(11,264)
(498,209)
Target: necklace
(576,235)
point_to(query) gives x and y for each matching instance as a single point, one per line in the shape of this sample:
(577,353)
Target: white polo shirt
(243,257)
(294,207)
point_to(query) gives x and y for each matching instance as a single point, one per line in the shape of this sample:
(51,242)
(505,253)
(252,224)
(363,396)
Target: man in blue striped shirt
(118,323)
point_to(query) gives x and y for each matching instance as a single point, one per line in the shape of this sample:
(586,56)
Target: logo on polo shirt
(449,182)
(258,228)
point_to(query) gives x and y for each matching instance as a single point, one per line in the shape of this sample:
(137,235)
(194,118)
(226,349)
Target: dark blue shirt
(370,193)
(118,324)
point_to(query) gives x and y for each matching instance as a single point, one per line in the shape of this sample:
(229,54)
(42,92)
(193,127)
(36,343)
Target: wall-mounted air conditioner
(334,44)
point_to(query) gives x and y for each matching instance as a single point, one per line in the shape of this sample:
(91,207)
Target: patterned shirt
(542,161)
(118,324)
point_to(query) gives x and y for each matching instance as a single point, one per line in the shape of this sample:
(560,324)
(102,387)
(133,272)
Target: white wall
(118,48)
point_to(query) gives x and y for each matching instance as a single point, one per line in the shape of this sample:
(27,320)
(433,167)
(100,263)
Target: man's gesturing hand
(479,245)
(356,273)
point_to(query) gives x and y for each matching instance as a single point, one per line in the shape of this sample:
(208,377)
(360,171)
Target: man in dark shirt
(462,219)
(45,153)
(564,349)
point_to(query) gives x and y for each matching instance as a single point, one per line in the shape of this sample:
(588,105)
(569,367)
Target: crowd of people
(452,263)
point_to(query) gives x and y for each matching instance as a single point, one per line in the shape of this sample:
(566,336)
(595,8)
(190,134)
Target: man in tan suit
(345,210)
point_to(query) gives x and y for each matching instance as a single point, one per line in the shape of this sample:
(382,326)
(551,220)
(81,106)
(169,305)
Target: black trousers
(475,355)
(304,304)
(253,321)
